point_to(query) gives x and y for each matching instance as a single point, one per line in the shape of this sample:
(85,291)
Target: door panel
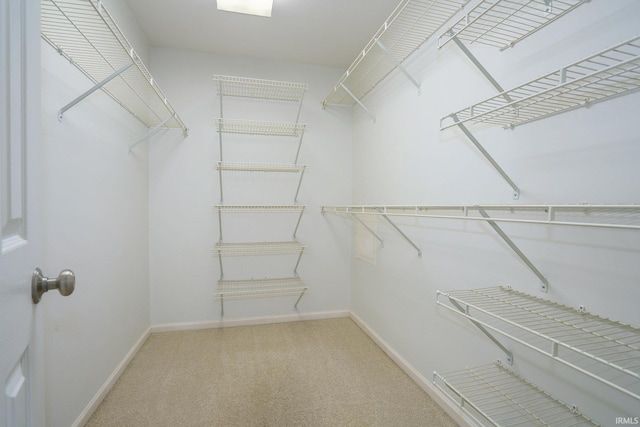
(21,400)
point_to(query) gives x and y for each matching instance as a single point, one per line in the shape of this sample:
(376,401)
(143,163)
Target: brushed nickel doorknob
(65,283)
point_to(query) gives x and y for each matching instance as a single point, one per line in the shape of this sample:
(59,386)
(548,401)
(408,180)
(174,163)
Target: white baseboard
(84,416)
(454,412)
(174,327)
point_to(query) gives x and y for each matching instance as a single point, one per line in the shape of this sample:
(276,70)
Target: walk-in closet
(451,183)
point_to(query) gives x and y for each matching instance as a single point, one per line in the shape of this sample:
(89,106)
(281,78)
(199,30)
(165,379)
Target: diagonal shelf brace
(457,305)
(295,230)
(485,153)
(398,65)
(544,285)
(93,89)
(463,128)
(401,233)
(358,101)
(295,306)
(481,68)
(368,228)
(152,131)
(295,161)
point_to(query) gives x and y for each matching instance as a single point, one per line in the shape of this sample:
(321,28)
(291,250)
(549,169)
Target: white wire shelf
(600,348)
(259,167)
(259,208)
(505,23)
(406,29)
(602,216)
(494,395)
(245,289)
(86,34)
(606,74)
(253,127)
(259,248)
(259,88)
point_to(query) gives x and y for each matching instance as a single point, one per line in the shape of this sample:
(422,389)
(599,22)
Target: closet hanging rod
(84,33)
(601,216)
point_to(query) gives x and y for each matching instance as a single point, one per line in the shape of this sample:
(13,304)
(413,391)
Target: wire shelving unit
(493,395)
(260,167)
(84,33)
(505,23)
(245,87)
(259,288)
(253,127)
(611,72)
(408,27)
(603,349)
(231,86)
(259,248)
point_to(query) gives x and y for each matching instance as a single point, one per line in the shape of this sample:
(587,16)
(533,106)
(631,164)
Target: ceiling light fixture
(249,7)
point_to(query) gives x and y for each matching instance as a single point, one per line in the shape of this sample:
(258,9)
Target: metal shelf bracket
(395,227)
(465,312)
(485,153)
(544,283)
(373,117)
(398,65)
(152,131)
(368,228)
(93,89)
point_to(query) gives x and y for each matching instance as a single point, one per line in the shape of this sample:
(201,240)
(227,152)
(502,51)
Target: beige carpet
(312,373)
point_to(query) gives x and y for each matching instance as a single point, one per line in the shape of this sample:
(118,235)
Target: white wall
(184,185)
(95,205)
(585,156)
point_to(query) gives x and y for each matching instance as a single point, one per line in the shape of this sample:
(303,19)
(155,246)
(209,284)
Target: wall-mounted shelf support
(404,236)
(490,159)
(398,64)
(93,89)
(355,98)
(465,311)
(544,283)
(480,67)
(152,131)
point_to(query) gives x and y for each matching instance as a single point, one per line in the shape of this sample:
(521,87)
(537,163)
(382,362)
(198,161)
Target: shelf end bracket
(398,64)
(93,89)
(508,354)
(152,131)
(544,283)
(485,153)
(346,89)
(395,227)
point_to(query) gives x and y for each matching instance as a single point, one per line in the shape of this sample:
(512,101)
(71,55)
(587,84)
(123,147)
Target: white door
(21,353)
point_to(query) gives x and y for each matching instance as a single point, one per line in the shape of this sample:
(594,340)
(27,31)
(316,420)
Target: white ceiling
(319,32)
